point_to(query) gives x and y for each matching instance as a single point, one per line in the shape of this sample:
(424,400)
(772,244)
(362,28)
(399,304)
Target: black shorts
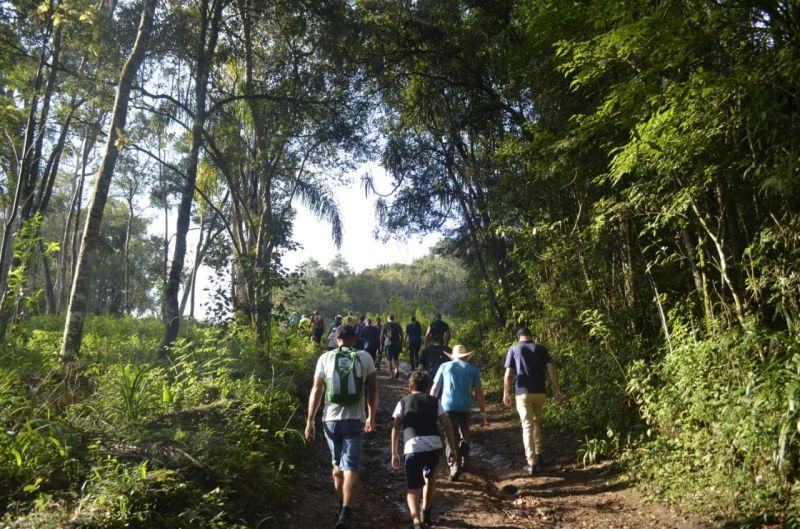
(392,351)
(421,466)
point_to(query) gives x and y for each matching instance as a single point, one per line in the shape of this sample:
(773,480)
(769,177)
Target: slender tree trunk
(76,314)
(126,252)
(205,54)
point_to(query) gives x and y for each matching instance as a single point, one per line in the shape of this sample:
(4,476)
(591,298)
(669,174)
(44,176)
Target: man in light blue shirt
(458,381)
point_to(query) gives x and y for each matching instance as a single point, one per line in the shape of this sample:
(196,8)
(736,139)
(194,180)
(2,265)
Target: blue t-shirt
(414,332)
(529,361)
(458,379)
(370,335)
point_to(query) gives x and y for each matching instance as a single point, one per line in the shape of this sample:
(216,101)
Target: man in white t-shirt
(344,424)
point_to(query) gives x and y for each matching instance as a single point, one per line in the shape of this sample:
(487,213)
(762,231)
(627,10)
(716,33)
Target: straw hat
(459,351)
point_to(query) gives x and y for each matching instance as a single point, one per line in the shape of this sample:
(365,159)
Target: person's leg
(414,466)
(412,498)
(338,483)
(535,406)
(429,473)
(352,431)
(525,410)
(463,445)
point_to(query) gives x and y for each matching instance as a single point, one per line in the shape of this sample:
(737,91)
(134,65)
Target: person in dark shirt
(392,343)
(414,339)
(370,334)
(529,361)
(437,326)
(434,355)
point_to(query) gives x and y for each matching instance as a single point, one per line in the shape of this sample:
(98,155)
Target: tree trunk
(76,313)
(205,54)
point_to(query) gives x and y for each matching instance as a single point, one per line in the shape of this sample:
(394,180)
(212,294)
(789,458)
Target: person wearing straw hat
(529,361)
(459,381)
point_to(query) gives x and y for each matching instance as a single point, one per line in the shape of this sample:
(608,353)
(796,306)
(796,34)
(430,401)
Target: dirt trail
(492,492)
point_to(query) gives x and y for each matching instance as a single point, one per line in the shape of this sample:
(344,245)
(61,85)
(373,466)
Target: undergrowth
(205,438)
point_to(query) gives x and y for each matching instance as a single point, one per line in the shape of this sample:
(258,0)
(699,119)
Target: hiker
(337,321)
(529,361)
(304,326)
(458,380)
(360,324)
(332,340)
(414,339)
(392,341)
(371,335)
(437,326)
(318,326)
(416,416)
(433,355)
(346,378)
(380,345)
(349,319)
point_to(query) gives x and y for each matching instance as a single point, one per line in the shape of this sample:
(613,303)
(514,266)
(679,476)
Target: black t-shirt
(420,415)
(439,327)
(370,334)
(392,332)
(432,357)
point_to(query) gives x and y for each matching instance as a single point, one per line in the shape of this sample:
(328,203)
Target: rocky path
(492,492)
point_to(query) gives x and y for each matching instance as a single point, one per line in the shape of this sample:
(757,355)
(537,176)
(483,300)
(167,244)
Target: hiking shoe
(344,520)
(530,470)
(419,526)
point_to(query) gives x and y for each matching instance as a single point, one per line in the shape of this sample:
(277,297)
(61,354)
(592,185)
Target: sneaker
(419,526)
(529,469)
(344,520)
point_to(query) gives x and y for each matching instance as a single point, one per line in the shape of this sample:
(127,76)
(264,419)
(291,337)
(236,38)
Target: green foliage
(205,439)
(722,415)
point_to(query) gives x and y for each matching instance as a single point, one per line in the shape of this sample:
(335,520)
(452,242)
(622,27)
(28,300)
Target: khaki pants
(529,407)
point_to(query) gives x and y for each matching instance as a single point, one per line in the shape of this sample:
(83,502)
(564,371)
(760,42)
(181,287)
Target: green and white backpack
(344,377)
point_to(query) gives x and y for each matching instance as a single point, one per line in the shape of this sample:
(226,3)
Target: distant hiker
(318,326)
(304,326)
(337,321)
(380,346)
(433,355)
(360,324)
(416,416)
(349,319)
(414,339)
(332,340)
(529,361)
(437,326)
(392,342)
(371,335)
(458,380)
(344,376)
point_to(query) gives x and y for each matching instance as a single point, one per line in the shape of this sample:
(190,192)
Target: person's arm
(508,380)
(447,426)
(553,375)
(372,402)
(428,336)
(314,399)
(395,443)
(434,389)
(481,405)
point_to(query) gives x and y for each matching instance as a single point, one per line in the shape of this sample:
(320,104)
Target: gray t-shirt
(340,412)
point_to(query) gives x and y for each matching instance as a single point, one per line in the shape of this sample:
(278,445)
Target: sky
(359,248)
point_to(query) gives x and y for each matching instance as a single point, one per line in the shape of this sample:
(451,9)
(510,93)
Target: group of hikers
(442,387)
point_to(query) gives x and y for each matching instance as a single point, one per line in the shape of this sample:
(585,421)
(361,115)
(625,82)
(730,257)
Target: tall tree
(76,312)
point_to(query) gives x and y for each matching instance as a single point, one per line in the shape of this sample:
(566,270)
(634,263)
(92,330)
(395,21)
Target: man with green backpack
(346,377)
